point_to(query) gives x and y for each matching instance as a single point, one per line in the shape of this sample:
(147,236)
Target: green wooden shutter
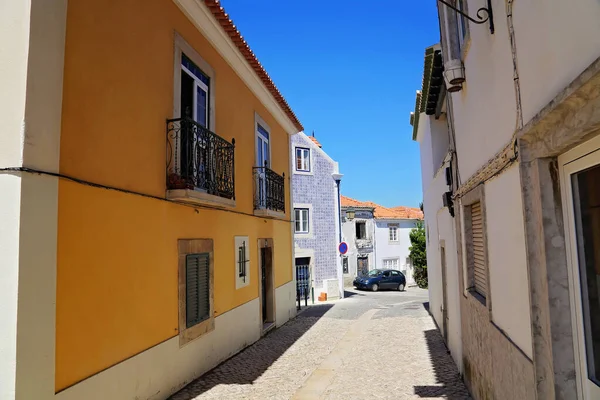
(197,287)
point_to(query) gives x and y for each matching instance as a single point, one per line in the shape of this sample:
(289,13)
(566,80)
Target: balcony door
(194,105)
(581,185)
(263,161)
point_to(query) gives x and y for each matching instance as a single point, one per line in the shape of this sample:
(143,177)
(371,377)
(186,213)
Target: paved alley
(378,345)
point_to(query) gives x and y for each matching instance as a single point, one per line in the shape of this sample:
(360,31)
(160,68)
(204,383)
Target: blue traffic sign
(343,248)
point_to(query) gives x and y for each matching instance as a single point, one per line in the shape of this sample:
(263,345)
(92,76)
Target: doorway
(362,264)
(444,292)
(267,288)
(581,184)
(303,282)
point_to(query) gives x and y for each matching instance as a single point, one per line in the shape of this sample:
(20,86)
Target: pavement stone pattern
(380,345)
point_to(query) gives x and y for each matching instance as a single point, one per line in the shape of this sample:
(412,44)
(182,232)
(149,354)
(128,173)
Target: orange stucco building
(160,184)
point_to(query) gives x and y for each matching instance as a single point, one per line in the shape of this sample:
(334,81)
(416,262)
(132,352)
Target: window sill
(196,331)
(296,172)
(198,197)
(303,235)
(477,297)
(263,212)
(394,242)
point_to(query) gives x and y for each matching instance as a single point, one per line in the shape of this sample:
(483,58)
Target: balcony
(362,244)
(200,164)
(269,192)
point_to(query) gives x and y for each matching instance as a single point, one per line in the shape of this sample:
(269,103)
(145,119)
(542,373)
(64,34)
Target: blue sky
(350,71)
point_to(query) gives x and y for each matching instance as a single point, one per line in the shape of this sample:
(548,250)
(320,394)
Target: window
(194,92)
(476,257)
(393,233)
(391,263)
(361,230)
(195,288)
(302,159)
(345,265)
(301,220)
(242,261)
(586,201)
(395,273)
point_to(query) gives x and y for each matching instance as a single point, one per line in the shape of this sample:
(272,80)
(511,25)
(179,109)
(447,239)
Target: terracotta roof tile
(382,212)
(236,37)
(315,141)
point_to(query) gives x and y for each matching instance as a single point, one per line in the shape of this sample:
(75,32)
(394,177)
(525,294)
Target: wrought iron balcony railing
(269,189)
(199,159)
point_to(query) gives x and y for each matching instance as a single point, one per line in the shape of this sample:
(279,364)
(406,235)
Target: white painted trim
(165,368)
(259,121)
(210,28)
(33,33)
(285,302)
(181,46)
(198,197)
(303,235)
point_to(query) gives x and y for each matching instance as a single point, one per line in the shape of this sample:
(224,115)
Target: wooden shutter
(479,270)
(197,286)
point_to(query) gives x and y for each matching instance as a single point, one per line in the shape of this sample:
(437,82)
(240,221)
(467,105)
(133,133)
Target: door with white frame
(195,105)
(263,161)
(580,182)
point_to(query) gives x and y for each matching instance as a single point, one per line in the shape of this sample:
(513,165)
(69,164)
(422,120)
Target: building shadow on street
(450,385)
(249,364)
(351,294)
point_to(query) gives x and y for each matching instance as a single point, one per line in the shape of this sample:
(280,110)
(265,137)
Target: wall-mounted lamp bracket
(483,14)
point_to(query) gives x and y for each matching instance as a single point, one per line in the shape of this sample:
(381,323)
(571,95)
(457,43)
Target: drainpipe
(340,275)
(338,180)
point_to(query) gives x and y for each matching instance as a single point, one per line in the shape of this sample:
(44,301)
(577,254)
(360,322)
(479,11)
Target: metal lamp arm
(481,17)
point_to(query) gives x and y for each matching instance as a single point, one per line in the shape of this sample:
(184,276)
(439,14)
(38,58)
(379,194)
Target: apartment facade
(145,231)
(377,237)
(316,183)
(507,121)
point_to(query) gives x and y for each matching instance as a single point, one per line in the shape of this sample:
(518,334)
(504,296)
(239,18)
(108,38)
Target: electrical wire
(132,192)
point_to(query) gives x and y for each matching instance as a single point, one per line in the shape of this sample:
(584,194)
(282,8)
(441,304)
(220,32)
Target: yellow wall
(117,252)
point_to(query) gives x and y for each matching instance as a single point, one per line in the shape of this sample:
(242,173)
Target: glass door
(263,161)
(581,183)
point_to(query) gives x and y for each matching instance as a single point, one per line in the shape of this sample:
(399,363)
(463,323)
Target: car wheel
(401,287)
(375,287)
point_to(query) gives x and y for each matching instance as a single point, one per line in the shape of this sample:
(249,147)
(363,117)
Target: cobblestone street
(380,345)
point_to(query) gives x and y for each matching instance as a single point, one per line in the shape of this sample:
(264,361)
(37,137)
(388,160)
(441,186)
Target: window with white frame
(391,263)
(393,233)
(301,220)
(194,92)
(302,159)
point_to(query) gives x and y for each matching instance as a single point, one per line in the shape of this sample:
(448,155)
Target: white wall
(556,41)
(485,110)
(509,285)
(439,227)
(388,250)
(348,236)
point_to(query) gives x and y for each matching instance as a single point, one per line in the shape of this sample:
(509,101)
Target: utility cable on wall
(149,196)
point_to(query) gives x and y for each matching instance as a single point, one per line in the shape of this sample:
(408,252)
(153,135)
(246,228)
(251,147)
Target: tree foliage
(418,254)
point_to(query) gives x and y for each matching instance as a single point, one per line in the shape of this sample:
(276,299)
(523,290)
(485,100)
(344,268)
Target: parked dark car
(381,279)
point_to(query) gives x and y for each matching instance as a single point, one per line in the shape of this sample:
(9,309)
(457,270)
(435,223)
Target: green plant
(418,254)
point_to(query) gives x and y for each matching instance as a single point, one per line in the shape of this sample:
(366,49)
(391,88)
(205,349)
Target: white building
(513,109)
(378,237)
